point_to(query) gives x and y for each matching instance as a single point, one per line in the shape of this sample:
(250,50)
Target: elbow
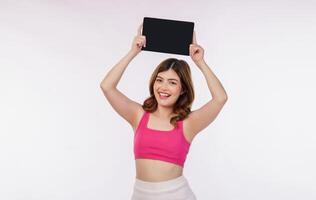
(105,87)
(225,98)
(102,86)
(222,99)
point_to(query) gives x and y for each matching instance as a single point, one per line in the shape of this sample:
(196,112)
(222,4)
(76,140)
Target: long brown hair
(183,105)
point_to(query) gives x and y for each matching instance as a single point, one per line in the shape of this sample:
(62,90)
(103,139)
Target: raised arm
(124,106)
(202,117)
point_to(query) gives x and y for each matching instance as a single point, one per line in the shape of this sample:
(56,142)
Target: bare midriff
(156,170)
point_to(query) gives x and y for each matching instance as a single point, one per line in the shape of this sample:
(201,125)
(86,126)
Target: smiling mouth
(163,95)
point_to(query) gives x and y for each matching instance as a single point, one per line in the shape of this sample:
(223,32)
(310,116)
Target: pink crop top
(170,146)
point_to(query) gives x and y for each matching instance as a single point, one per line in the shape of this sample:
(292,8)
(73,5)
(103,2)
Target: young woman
(164,125)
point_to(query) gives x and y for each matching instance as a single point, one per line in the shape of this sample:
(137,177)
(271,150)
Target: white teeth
(164,94)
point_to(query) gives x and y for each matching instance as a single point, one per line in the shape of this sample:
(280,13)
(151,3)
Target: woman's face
(167,88)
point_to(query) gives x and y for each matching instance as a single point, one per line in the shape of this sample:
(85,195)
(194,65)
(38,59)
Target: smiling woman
(164,126)
(171,86)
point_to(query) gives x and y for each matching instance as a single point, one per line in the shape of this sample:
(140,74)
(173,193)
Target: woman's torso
(157,170)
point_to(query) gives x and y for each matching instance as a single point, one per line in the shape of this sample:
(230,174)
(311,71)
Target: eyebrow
(168,79)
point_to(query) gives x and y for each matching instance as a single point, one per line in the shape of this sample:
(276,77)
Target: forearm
(217,90)
(114,75)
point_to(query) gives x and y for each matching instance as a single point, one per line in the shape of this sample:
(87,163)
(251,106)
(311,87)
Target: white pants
(174,189)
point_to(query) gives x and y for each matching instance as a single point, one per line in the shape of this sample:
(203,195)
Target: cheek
(155,87)
(177,89)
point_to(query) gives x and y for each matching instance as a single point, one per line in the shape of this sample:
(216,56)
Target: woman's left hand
(196,51)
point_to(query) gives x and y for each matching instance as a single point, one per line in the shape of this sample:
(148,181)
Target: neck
(164,112)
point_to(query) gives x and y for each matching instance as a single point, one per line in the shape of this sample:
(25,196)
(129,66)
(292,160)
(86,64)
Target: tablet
(167,36)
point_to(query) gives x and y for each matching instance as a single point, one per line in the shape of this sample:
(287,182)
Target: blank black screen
(167,36)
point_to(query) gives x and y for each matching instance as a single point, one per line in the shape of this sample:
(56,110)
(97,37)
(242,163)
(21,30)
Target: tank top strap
(180,124)
(144,119)
(179,127)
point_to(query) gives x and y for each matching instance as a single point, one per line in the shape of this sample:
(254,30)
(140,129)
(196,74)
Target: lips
(163,95)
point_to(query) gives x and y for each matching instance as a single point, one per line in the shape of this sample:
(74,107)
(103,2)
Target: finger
(139,44)
(141,40)
(144,38)
(140,29)
(192,48)
(194,38)
(144,41)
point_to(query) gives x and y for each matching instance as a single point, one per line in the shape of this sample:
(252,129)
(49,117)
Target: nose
(164,86)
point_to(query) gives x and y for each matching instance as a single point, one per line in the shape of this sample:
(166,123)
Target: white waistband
(161,185)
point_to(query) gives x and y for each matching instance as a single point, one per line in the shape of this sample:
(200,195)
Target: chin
(166,104)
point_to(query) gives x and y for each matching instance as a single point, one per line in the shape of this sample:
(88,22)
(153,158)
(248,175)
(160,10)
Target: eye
(174,83)
(159,80)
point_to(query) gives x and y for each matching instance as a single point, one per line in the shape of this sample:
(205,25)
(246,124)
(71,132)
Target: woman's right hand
(138,42)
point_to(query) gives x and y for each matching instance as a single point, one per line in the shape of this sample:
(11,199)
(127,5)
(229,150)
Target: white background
(60,139)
